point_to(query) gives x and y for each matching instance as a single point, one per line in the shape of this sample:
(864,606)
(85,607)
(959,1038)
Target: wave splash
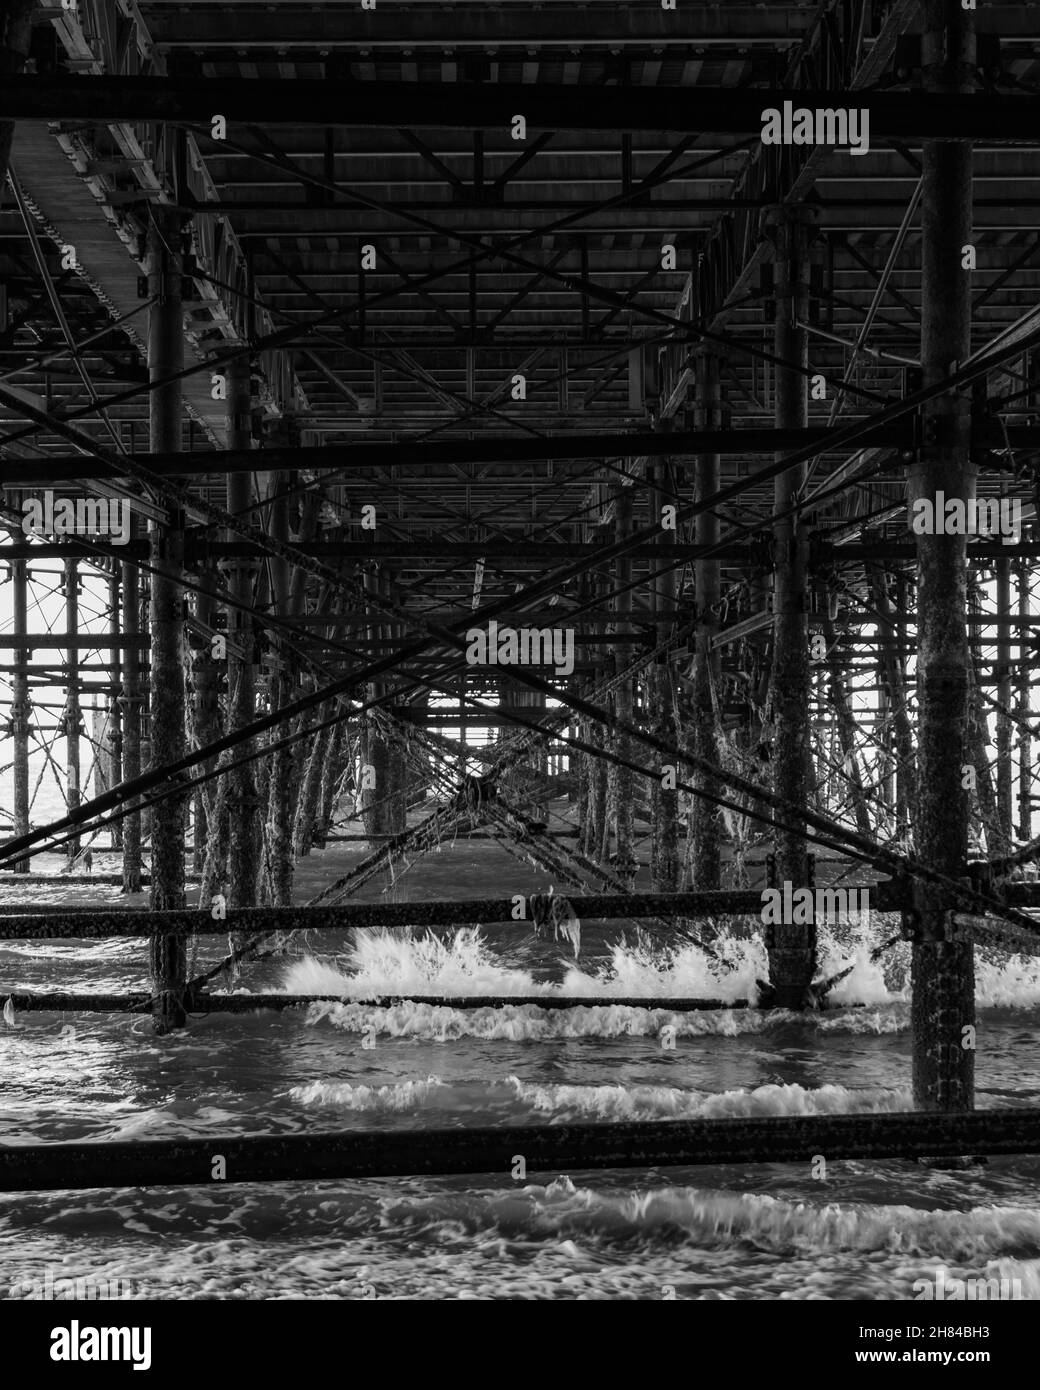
(872,998)
(566,1102)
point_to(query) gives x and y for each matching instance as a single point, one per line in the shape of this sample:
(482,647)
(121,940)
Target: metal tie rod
(547,1150)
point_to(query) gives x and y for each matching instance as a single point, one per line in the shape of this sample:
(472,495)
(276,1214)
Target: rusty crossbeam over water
(95,924)
(248,1003)
(43,921)
(547,1150)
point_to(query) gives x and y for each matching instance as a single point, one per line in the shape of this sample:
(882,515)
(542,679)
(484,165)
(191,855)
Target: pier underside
(426,429)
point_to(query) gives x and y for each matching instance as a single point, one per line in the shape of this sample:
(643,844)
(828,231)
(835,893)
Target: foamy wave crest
(527,1022)
(892,1018)
(644,968)
(382,962)
(341,1095)
(969,1241)
(388,962)
(1027,1272)
(1006,982)
(866,984)
(778,1225)
(671,1102)
(89,951)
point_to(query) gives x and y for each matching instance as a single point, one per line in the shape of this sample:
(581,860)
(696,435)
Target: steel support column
(664,854)
(205,721)
(168,656)
(21,709)
(620,782)
(287,598)
(242,804)
(943,968)
(1003,674)
(706,869)
(131,703)
(397,763)
(72,722)
(376,787)
(1023,713)
(114,763)
(791,947)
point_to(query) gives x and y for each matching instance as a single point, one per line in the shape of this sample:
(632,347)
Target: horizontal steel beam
(494,718)
(42,472)
(463,105)
(546,1149)
(252,26)
(518,553)
(1010,213)
(745,628)
(522,554)
(489,449)
(56,675)
(100,923)
(839,212)
(74,641)
(856,552)
(246,1003)
(582,638)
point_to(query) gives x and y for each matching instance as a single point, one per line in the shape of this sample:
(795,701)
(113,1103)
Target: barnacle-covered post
(71,718)
(706,816)
(664,801)
(943,966)
(165,359)
(620,779)
(243,837)
(131,705)
(791,947)
(20,708)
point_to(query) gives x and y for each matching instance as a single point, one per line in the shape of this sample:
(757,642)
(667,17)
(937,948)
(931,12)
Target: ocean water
(863,1231)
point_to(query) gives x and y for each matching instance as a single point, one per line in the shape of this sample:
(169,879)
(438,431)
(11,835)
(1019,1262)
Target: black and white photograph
(519,676)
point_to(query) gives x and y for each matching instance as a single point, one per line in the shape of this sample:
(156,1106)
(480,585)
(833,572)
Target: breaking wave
(667,1102)
(711,1243)
(873,997)
(341,1095)
(388,962)
(574,1102)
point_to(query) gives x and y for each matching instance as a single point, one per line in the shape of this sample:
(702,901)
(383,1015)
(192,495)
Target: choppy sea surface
(861,1231)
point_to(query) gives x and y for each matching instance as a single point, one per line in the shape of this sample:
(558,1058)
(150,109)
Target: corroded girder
(247,1003)
(418,454)
(107,922)
(465,105)
(545,1149)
